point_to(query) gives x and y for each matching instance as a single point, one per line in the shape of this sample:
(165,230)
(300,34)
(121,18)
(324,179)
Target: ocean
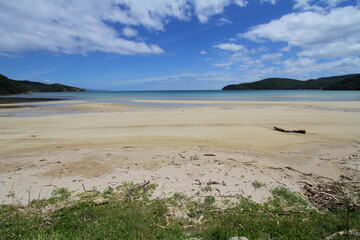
(251,95)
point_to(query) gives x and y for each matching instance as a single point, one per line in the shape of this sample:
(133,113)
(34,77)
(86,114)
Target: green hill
(351,83)
(344,82)
(9,86)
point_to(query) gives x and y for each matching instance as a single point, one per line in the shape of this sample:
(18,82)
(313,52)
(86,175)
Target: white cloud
(286,49)
(129,32)
(192,76)
(316,5)
(275,57)
(304,66)
(204,9)
(150,14)
(314,31)
(270,1)
(224,64)
(80,27)
(334,49)
(241,3)
(223,21)
(73,28)
(47,81)
(229,47)
(203,52)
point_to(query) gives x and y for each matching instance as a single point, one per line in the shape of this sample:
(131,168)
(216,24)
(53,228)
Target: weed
(11,194)
(209,200)
(59,194)
(108,191)
(289,198)
(206,189)
(179,196)
(256,184)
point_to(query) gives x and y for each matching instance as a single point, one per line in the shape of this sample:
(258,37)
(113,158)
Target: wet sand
(7,100)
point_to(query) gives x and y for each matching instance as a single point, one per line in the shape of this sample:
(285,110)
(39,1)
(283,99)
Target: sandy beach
(181,146)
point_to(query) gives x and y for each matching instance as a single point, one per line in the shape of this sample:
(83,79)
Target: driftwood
(331,195)
(289,131)
(198,182)
(213,183)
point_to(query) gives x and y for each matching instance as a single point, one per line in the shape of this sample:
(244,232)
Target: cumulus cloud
(150,14)
(229,47)
(203,52)
(80,27)
(73,28)
(316,33)
(206,8)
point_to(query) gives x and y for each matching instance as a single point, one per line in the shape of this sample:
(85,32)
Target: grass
(206,189)
(131,213)
(288,197)
(256,184)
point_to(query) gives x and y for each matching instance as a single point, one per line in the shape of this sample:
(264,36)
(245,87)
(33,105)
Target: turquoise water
(259,95)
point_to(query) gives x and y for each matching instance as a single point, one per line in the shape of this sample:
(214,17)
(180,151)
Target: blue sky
(177,44)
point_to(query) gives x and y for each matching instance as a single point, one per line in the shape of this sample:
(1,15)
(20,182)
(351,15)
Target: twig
(342,233)
(278,181)
(162,227)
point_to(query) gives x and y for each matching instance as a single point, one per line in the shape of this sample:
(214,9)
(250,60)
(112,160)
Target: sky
(126,45)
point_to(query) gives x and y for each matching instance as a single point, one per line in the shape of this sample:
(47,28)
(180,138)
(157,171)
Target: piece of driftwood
(213,183)
(331,195)
(289,131)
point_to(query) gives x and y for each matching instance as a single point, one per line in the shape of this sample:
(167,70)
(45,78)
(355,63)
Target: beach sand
(181,146)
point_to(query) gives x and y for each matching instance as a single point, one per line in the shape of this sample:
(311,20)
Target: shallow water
(259,95)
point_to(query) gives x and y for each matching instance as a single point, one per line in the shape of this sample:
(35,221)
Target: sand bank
(108,143)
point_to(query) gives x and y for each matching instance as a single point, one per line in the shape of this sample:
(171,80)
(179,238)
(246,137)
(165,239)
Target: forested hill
(9,86)
(344,82)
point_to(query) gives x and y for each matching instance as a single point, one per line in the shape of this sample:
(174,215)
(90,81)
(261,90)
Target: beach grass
(129,212)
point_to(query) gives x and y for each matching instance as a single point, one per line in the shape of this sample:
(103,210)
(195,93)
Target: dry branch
(289,131)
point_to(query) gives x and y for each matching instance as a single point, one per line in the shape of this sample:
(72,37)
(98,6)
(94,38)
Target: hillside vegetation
(9,86)
(344,82)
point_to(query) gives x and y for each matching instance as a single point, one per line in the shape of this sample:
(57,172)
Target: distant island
(9,86)
(344,82)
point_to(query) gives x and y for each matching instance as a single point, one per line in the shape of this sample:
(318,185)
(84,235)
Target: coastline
(111,142)
(9,100)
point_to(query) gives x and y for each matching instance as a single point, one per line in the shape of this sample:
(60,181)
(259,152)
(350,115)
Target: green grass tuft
(206,189)
(256,184)
(289,198)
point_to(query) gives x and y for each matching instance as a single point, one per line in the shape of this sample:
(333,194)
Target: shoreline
(174,145)
(9,100)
